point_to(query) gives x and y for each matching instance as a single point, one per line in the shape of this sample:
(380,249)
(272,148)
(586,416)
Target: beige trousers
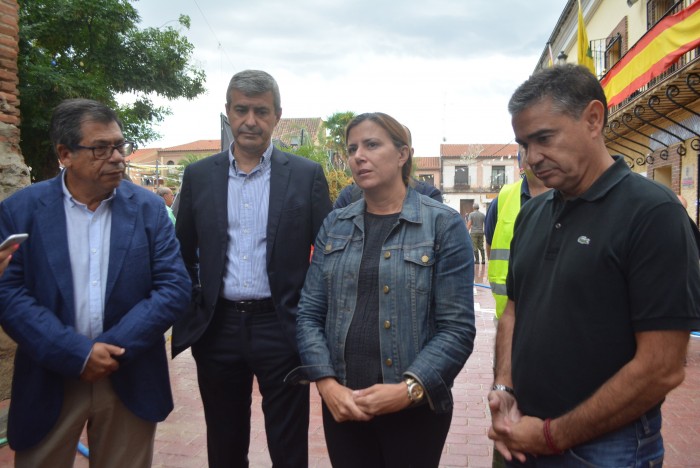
(116,437)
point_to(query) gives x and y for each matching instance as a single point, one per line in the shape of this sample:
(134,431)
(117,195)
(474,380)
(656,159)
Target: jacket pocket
(419,263)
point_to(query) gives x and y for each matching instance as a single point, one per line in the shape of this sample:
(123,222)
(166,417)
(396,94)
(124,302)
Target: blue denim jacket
(426,303)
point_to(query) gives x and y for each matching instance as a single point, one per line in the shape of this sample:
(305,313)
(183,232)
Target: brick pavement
(181,439)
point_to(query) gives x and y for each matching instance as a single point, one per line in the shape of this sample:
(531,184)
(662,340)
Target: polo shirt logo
(583,240)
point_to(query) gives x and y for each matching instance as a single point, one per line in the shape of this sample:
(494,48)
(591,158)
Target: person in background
(167,195)
(475,226)
(88,298)
(598,317)
(498,228)
(386,319)
(246,222)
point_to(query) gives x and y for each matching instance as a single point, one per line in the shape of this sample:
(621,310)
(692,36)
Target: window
(427,178)
(657,9)
(498,177)
(462,176)
(613,50)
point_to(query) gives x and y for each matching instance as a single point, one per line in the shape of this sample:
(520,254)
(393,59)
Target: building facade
(647,56)
(475,173)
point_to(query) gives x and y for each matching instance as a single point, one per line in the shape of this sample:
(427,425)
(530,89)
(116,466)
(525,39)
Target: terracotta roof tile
(427,163)
(143,156)
(200,145)
(290,128)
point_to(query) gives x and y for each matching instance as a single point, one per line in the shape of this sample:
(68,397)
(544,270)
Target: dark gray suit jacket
(299,202)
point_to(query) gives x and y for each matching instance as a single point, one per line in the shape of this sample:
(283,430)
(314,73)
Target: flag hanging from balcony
(551,54)
(585,55)
(654,53)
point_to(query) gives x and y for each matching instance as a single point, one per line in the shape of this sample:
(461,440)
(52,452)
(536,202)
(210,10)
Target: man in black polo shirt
(603,290)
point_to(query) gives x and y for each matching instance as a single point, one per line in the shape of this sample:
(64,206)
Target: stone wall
(14,174)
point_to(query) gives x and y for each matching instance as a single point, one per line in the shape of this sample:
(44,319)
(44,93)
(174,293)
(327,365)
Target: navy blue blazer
(147,290)
(299,202)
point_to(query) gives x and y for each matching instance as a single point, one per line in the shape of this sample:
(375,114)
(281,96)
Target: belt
(251,306)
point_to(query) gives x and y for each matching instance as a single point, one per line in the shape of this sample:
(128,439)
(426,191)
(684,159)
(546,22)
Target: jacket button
(329,246)
(387,254)
(387,324)
(425,258)
(386,289)
(389,362)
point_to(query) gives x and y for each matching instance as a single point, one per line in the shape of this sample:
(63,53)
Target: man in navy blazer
(88,298)
(246,222)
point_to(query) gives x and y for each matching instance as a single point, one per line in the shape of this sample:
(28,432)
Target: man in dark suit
(88,298)
(246,222)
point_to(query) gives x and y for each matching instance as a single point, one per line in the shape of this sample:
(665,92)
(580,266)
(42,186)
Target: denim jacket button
(386,289)
(387,324)
(329,246)
(387,254)
(389,362)
(425,258)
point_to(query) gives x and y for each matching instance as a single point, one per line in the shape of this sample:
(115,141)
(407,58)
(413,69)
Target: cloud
(445,68)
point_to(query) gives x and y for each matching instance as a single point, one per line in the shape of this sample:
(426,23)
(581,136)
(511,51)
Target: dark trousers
(243,341)
(412,438)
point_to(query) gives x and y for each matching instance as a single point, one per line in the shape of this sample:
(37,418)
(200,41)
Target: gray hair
(570,87)
(476,206)
(254,83)
(163,191)
(69,115)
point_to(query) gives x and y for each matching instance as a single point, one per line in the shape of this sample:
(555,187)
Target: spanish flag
(585,54)
(654,53)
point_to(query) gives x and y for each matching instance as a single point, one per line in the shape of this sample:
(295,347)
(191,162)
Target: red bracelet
(548,438)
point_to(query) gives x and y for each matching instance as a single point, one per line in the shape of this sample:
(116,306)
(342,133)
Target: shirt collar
(69,196)
(264,159)
(608,179)
(410,211)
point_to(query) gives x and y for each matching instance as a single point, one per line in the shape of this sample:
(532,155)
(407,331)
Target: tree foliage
(335,132)
(94,49)
(329,151)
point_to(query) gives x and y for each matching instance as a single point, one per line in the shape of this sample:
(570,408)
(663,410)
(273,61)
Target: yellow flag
(585,55)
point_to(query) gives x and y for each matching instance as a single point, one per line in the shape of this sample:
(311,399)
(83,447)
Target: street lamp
(561,58)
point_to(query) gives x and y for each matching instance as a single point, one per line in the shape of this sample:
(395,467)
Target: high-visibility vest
(508,209)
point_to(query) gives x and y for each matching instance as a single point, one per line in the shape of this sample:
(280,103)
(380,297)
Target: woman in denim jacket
(386,318)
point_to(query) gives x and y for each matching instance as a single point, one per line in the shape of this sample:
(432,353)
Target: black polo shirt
(586,274)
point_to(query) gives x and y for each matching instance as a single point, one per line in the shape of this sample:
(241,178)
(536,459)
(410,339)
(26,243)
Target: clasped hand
(504,416)
(101,362)
(362,405)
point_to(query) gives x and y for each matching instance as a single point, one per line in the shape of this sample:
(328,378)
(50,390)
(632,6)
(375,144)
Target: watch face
(416,392)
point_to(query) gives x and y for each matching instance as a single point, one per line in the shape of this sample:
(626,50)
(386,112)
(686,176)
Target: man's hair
(163,191)
(570,87)
(397,133)
(254,83)
(476,206)
(69,115)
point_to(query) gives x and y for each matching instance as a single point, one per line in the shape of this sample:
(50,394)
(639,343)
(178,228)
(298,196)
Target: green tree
(94,49)
(335,133)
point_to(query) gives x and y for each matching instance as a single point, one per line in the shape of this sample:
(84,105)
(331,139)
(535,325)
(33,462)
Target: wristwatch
(415,390)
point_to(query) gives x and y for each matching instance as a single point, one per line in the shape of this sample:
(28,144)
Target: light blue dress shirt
(88,235)
(245,275)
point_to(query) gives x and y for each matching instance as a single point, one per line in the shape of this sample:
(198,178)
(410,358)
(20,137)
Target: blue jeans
(637,445)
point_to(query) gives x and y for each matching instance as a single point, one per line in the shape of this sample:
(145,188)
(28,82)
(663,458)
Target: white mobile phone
(13,239)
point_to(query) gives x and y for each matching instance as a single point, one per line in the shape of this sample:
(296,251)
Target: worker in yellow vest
(498,228)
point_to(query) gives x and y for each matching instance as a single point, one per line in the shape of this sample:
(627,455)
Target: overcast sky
(444,68)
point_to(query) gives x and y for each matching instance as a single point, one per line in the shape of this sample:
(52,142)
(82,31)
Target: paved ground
(181,443)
